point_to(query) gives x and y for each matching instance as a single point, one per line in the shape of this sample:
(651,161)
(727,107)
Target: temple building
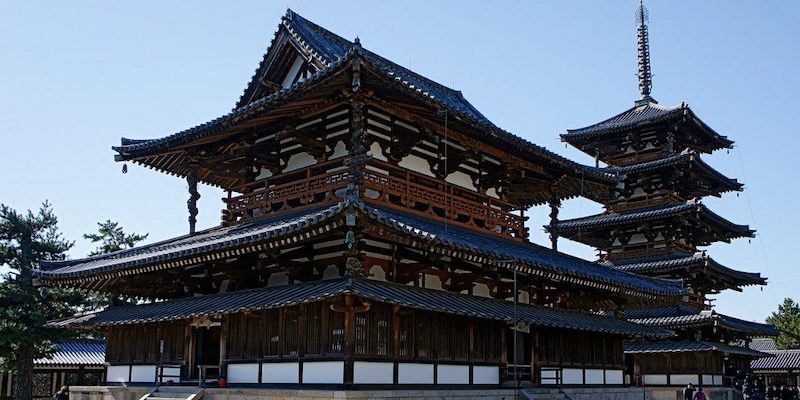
(655,224)
(373,234)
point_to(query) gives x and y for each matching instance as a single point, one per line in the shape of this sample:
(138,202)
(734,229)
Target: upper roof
(642,114)
(76,353)
(613,219)
(686,160)
(334,52)
(689,346)
(407,296)
(460,242)
(682,262)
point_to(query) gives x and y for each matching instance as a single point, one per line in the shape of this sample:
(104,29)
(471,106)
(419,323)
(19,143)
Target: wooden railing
(383,184)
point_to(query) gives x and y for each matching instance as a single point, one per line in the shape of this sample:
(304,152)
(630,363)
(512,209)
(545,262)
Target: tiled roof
(76,353)
(525,253)
(680,159)
(407,296)
(683,318)
(781,360)
(697,260)
(539,260)
(763,344)
(676,347)
(185,246)
(649,214)
(640,115)
(335,51)
(656,312)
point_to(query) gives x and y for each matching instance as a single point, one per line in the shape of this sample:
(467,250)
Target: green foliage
(112,238)
(787,320)
(26,239)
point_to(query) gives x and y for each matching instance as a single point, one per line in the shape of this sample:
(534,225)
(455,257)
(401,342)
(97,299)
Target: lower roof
(689,346)
(781,360)
(89,353)
(682,262)
(459,242)
(406,296)
(679,317)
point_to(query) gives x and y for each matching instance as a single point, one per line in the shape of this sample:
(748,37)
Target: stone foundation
(625,393)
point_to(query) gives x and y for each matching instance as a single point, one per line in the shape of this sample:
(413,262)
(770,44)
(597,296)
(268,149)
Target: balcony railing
(383,184)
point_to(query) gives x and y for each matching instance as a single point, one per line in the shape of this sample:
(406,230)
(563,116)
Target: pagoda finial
(643,47)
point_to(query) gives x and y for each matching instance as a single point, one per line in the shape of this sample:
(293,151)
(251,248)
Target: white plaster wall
(708,380)
(278,279)
(595,377)
(461,179)
(485,375)
(572,376)
(683,379)
(293,70)
(174,375)
(416,164)
(433,282)
(614,377)
(323,372)
(143,373)
(117,373)
(415,373)
(717,380)
(288,372)
(655,379)
(480,290)
(373,372)
(377,273)
(452,374)
(331,272)
(299,160)
(339,151)
(243,373)
(376,151)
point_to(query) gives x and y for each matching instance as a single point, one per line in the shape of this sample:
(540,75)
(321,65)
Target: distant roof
(763,344)
(529,257)
(688,317)
(612,219)
(407,296)
(689,346)
(642,114)
(76,353)
(682,262)
(781,361)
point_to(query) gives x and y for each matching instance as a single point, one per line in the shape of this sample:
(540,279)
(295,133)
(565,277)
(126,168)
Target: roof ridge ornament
(643,50)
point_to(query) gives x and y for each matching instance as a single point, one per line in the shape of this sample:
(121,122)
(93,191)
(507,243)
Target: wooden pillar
(194,195)
(349,337)
(224,331)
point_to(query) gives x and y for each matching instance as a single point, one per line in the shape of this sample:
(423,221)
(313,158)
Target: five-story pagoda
(655,224)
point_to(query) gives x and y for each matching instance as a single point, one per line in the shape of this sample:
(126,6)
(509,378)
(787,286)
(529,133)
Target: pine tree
(787,320)
(112,238)
(25,240)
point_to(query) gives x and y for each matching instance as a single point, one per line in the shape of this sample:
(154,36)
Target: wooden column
(349,337)
(224,331)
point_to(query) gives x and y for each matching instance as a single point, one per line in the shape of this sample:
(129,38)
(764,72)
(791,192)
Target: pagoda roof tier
(173,153)
(682,317)
(690,346)
(270,233)
(712,182)
(593,230)
(602,136)
(402,295)
(710,273)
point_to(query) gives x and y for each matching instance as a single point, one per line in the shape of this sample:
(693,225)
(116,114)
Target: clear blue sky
(76,76)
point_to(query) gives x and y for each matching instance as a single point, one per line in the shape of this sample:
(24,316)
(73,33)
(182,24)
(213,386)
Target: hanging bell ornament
(125,168)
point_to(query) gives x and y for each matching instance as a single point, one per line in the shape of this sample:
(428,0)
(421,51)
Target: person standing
(62,394)
(688,392)
(700,394)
